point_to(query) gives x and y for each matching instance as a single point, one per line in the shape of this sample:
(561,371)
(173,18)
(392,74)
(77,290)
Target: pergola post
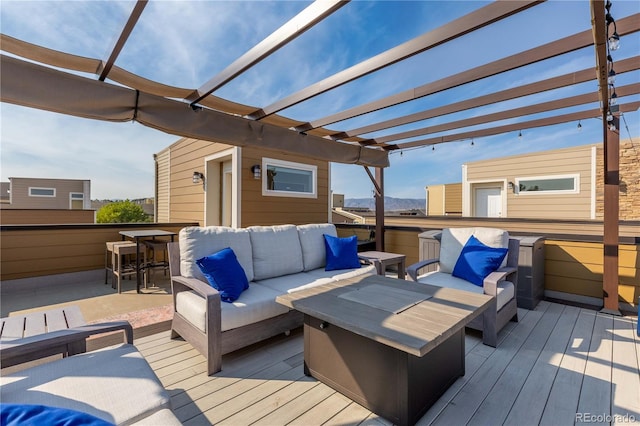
(380,209)
(610,278)
(611,145)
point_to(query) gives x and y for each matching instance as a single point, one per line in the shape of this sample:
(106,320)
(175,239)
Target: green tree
(121,212)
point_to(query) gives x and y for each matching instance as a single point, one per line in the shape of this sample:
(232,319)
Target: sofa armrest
(490,283)
(180,283)
(412,270)
(57,342)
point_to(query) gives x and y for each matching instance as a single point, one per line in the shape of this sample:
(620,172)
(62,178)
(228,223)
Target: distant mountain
(390,203)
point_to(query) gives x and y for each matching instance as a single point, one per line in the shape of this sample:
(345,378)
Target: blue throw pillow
(224,273)
(36,415)
(477,260)
(341,253)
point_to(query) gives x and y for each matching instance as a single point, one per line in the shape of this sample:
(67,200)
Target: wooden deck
(557,364)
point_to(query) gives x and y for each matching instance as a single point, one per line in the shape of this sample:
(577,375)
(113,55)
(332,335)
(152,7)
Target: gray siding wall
(20,198)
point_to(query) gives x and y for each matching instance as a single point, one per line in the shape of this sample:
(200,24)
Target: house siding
(567,161)
(20,198)
(163,176)
(187,201)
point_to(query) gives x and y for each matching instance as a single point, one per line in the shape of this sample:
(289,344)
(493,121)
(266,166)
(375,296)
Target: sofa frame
(214,343)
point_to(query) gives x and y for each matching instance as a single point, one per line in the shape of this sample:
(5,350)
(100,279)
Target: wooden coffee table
(391,345)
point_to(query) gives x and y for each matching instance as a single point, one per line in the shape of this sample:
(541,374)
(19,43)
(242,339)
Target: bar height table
(137,235)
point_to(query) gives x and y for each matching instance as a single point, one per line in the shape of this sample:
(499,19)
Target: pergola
(95,87)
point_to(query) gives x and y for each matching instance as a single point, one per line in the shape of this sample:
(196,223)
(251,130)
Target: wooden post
(610,278)
(380,209)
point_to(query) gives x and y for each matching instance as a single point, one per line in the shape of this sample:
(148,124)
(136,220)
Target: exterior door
(226,194)
(488,202)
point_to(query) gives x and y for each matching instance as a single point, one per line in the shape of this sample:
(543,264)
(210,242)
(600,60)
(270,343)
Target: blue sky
(186,43)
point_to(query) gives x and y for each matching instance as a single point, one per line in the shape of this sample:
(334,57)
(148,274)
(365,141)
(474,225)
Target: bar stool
(108,265)
(154,247)
(122,269)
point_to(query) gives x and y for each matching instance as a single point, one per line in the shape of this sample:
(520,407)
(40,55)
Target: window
(566,184)
(42,192)
(287,179)
(76,201)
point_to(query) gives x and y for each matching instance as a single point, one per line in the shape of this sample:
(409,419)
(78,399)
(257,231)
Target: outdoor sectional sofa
(276,260)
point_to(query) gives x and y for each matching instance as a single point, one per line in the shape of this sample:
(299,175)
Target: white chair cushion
(454,239)
(115,384)
(276,251)
(197,242)
(294,282)
(255,304)
(341,274)
(312,243)
(505,291)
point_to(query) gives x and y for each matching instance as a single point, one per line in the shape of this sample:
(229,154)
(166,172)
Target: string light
(579,126)
(520,134)
(472,143)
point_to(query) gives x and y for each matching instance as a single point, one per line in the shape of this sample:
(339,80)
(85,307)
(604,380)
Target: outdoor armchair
(500,283)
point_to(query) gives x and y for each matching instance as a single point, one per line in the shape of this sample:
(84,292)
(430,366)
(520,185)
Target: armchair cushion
(505,290)
(454,239)
(478,260)
(342,253)
(224,273)
(31,414)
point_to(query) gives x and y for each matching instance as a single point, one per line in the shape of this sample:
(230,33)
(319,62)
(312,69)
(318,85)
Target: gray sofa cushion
(341,274)
(312,243)
(115,384)
(276,251)
(294,282)
(198,242)
(256,304)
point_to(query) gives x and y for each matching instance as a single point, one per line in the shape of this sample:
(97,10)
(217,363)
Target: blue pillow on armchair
(342,253)
(224,273)
(478,260)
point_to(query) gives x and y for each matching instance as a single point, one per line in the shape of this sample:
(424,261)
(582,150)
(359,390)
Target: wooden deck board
(557,361)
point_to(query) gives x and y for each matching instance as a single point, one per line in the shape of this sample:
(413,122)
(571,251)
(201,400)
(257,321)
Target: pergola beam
(549,121)
(107,64)
(480,18)
(528,57)
(585,98)
(625,65)
(295,27)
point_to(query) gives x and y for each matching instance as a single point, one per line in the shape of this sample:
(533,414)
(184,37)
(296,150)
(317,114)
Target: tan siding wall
(436,200)
(187,199)
(453,199)
(577,268)
(575,160)
(20,198)
(39,216)
(163,169)
(57,250)
(260,210)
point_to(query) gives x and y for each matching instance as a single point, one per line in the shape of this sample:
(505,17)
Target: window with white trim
(41,192)
(288,179)
(556,184)
(76,200)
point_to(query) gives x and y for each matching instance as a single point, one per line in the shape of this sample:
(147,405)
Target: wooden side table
(383,259)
